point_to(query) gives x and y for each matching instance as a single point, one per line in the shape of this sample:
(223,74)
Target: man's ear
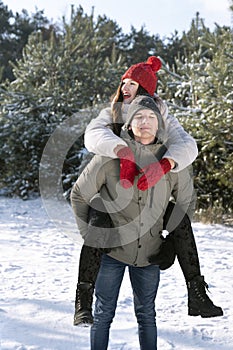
(129,127)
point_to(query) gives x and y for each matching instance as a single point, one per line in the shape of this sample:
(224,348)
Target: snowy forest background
(57,76)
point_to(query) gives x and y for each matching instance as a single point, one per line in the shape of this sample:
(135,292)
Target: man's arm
(86,187)
(184,196)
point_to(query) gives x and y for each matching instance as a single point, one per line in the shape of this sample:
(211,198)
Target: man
(137,214)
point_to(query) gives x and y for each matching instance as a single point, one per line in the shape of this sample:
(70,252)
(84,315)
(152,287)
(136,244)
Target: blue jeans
(144,281)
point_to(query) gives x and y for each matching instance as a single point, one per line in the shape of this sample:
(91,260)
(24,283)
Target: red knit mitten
(153,173)
(128,169)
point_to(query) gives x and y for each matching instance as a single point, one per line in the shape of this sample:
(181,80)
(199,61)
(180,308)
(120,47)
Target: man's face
(144,126)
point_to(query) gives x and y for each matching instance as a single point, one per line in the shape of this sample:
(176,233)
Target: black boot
(83,304)
(198,301)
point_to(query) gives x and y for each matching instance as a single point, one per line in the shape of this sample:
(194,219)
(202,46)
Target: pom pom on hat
(144,73)
(155,63)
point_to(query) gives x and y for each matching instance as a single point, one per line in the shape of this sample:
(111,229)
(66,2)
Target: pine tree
(200,95)
(214,96)
(54,79)
(14,33)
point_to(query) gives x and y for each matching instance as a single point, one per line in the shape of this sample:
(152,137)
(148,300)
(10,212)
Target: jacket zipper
(151,196)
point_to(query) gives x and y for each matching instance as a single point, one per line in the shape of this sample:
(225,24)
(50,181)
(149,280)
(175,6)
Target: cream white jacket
(181,147)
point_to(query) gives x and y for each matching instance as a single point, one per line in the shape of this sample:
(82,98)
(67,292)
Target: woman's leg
(89,263)
(185,247)
(107,288)
(145,282)
(184,242)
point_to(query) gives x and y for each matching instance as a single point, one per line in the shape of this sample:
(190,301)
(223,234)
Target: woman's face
(129,89)
(144,126)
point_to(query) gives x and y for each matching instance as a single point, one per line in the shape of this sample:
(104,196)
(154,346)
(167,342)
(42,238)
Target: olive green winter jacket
(137,215)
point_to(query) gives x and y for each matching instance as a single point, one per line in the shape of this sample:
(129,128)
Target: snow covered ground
(39,266)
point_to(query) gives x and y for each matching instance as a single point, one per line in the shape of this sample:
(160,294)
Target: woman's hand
(128,169)
(153,173)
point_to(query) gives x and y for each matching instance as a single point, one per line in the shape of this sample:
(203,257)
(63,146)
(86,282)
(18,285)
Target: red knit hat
(144,73)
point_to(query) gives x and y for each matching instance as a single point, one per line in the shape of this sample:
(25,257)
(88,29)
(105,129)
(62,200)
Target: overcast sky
(159,17)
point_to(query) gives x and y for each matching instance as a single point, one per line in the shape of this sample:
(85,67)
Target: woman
(137,217)
(181,151)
